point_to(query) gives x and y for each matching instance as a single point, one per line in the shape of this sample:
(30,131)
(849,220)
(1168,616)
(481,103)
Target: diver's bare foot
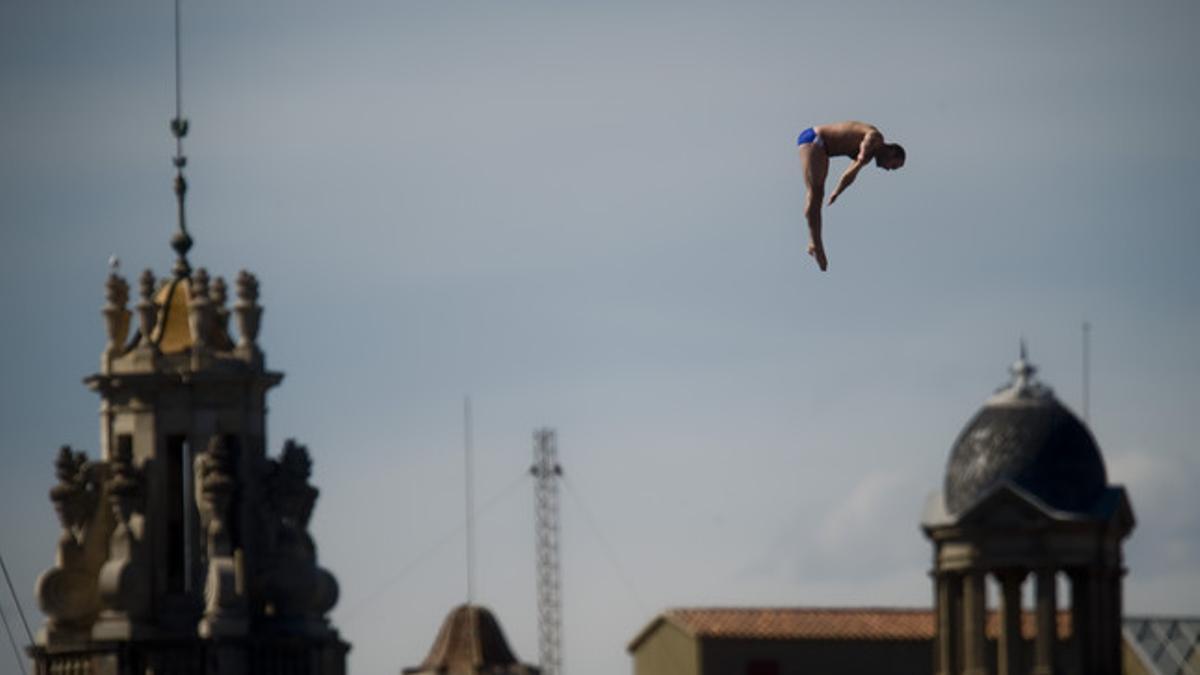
(818,252)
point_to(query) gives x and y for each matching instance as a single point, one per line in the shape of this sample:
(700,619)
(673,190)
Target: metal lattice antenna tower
(546,472)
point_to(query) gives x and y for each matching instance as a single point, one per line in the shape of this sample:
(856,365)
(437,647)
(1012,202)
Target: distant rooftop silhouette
(469,642)
(819,623)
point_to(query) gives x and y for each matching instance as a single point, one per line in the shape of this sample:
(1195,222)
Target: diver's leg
(816,166)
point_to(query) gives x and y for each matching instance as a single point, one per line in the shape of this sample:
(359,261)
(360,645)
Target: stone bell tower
(185,544)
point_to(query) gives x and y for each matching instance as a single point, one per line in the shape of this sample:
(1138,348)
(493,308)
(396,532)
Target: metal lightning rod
(1087,330)
(470,493)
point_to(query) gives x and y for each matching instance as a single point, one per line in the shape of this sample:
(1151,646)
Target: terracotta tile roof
(787,623)
(817,623)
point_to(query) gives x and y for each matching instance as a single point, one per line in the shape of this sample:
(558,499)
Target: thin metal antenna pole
(16,600)
(178,71)
(470,493)
(1087,330)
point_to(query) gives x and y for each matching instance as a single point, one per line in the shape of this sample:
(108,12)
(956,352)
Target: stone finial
(249,312)
(218,294)
(147,311)
(200,283)
(247,285)
(117,290)
(116,316)
(199,316)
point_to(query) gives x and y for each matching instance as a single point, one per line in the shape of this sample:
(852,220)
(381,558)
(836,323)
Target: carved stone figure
(294,585)
(67,593)
(125,579)
(224,598)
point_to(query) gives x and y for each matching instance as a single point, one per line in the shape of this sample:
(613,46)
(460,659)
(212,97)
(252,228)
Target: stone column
(1087,618)
(949,599)
(1109,582)
(974,623)
(1010,658)
(1047,623)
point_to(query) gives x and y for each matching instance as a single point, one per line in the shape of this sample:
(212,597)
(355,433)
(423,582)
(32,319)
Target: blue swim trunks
(809,136)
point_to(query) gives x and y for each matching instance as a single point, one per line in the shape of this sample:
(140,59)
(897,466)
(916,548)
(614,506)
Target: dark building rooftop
(887,624)
(471,641)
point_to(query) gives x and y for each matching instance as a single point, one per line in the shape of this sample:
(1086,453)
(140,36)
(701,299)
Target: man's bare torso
(844,139)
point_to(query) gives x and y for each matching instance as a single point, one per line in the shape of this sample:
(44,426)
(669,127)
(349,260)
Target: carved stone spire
(181,241)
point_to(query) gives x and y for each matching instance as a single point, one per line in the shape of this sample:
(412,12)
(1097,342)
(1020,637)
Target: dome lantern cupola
(1025,495)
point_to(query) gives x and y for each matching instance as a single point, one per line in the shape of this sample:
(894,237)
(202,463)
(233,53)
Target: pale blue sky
(590,218)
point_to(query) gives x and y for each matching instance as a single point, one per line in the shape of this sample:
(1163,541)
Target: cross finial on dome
(1024,382)
(1023,371)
